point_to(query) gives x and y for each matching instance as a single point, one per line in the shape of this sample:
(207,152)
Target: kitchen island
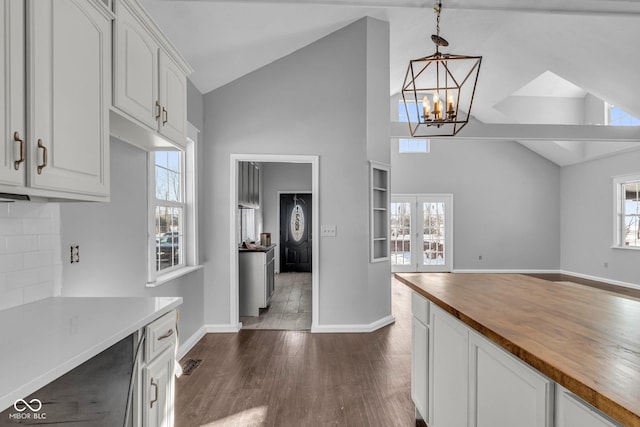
(583,340)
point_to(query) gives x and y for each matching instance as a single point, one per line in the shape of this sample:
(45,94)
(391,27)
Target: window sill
(167,277)
(627,248)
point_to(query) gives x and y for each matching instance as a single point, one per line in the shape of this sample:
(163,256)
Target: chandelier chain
(438,9)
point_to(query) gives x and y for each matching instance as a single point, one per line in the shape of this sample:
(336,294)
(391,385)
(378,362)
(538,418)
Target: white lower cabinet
(420,356)
(505,392)
(155,375)
(461,379)
(157,403)
(571,411)
(448,370)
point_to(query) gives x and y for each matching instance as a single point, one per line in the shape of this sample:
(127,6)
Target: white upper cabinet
(69,83)
(56,59)
(12,93)
(150,83)
(173,99)
(136,69)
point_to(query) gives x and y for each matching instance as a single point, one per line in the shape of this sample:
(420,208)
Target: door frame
(280,193)
(234,294)
(449,229)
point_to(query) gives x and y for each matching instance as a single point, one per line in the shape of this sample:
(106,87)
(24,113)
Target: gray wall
(113,243)
(277,177)
(195,106)
(308,103)
(506,201)
(587,217)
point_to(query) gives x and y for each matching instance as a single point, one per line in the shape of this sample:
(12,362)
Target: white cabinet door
(173,100)
(420,367)
(12,92)
(572,411)
(448,370)
(157,399)
(136,69)
(504,391)
(68,88)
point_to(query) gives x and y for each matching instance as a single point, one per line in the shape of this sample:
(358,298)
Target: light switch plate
(328,230)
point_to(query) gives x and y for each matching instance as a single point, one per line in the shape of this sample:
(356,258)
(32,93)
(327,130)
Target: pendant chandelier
(438,90)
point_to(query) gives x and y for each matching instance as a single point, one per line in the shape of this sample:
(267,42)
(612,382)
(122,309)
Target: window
(627,229)
(421,232)
(619,117)
(413,146)
(408,111)
(169,209)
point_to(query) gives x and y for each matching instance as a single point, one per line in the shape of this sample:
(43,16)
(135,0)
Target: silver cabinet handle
(44,157)
(166,116)
(157,110)
(155,399)
(16,138)
(165,336)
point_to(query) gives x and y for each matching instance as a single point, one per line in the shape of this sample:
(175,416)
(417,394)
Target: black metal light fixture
(438,90)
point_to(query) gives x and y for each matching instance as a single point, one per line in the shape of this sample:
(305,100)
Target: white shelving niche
(379,211)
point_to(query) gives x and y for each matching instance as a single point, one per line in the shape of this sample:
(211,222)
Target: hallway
(295,378)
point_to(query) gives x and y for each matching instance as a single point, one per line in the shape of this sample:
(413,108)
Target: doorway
(310,279)
(295,232)
(422,233)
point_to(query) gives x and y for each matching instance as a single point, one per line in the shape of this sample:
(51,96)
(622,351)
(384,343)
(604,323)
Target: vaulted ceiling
(587,44)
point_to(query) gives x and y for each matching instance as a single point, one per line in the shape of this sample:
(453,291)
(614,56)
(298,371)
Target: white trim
(173,274)
(602,279)
(315,221)
(506,271)
(371,327)
(618,207)
(223,329)
(188,344)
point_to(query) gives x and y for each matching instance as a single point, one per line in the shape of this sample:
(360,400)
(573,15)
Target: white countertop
(43,340)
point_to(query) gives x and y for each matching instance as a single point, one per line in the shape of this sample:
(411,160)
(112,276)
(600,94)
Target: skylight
(619,117)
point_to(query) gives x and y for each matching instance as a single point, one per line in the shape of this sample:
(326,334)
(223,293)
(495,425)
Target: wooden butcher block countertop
(585,339)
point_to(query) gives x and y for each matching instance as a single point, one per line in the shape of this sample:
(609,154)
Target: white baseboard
(325,329)
(463,270)
(223,329)
(188,344)
(602,279)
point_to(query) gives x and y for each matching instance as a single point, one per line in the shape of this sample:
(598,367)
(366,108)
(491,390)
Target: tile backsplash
(30,252)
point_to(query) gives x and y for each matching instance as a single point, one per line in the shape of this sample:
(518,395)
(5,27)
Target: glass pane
(168,176)
(433,233)
(400,233)
(173,160)
(168,237)
(631,214)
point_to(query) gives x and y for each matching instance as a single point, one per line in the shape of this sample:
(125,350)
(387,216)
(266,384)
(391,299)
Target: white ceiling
(588,43)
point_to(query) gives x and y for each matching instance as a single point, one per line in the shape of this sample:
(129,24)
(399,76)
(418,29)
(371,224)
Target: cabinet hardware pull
(16,138)
(167,335)
(155,399)
(166,116)
(44,157)
(157,110)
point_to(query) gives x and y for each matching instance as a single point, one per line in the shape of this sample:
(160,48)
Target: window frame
(189,237)
(619,235)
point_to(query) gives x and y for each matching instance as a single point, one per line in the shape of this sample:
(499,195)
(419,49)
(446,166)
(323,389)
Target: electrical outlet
(479,257)
(606,265)
(74,255)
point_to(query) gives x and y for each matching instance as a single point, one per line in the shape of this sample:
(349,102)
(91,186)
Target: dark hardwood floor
(295,378)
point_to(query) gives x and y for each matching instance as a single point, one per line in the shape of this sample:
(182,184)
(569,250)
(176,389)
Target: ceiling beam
(527,132)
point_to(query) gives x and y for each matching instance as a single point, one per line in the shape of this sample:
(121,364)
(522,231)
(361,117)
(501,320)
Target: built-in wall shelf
(379,204)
